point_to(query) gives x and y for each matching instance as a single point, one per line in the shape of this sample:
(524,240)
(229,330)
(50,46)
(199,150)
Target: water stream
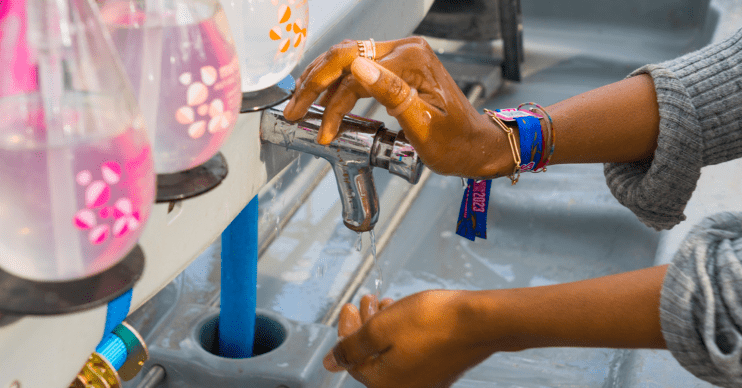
(379,277)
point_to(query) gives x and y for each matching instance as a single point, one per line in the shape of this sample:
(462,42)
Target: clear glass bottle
(182,64)
(271,35)
(75,162)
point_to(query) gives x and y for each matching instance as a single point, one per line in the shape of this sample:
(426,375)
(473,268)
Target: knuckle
(418,40)
(312,85)
(333,53)
(396,87)
(348,82)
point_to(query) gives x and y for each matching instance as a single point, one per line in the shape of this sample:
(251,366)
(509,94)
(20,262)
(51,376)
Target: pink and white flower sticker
(200,115)
(97,195)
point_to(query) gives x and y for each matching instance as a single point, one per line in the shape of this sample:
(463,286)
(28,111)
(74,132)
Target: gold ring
(367,49)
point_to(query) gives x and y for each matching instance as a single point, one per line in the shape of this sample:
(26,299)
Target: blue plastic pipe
(239,284)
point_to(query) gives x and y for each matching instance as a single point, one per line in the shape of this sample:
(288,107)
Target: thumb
(401,101)
(360,345)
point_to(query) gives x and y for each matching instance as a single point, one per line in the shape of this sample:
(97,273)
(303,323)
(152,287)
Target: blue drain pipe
(239,284)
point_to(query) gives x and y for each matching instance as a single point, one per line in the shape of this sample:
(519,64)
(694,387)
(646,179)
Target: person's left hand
(423,340)
(449,134)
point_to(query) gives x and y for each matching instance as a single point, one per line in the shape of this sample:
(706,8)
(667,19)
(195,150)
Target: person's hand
(451,137)
(427,339)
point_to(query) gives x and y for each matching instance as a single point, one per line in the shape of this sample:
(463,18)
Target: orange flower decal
(276,33)
(300,32)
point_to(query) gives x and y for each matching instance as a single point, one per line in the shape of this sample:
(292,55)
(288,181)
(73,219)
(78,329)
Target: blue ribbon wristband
(531,142)
(472,220)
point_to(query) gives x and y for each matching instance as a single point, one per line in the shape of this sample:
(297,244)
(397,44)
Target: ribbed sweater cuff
(700,305)
(700,107)
(712,77)
(658,189)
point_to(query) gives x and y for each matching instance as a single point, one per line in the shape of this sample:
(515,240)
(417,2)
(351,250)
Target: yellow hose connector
(120,356)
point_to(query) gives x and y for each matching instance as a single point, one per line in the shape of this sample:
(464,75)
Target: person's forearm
(615,123)
(616,311)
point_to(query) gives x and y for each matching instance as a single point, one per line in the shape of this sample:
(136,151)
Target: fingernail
(365,70)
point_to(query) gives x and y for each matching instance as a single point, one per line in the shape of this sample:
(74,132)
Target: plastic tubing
(239,284)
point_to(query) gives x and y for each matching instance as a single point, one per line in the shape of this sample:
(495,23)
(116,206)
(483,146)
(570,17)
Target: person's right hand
(451,137)
(427,339)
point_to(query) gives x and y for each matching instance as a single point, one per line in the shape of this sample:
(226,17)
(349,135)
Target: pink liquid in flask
(113,179)
(14,52)
(198,94)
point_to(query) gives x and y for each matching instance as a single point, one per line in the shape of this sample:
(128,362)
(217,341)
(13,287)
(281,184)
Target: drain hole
(269,335)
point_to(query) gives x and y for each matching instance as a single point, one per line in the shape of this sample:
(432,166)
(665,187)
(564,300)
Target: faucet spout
(364,144)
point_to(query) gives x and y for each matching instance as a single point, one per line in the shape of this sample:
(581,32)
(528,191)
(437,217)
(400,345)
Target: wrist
(494,320)
(499,161)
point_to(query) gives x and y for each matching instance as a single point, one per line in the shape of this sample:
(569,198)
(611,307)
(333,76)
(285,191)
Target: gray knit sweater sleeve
(701,303)
(700,101)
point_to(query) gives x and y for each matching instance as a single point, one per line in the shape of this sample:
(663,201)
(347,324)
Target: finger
(327,95)
(367,341)
(329,68)
(293,114)
(340,104)
(369,307)
(386,302)
(382,370)
(310,68)
(401,101)
(350,320)
(330,364)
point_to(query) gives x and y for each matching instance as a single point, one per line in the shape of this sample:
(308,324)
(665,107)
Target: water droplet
(316,156)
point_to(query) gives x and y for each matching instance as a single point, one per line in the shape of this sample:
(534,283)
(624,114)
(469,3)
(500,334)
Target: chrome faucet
(364,144)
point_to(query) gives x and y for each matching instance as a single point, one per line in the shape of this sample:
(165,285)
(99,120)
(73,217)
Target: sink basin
(555,227)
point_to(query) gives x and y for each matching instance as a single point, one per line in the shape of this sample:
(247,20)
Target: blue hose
(239,284)
(113,349)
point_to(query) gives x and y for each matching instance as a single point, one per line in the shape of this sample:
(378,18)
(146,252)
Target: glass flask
(75,162)
(271,36)
(181,60)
